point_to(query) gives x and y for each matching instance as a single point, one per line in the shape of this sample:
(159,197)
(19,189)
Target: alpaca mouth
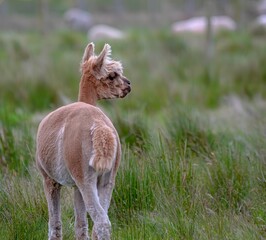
(126,91)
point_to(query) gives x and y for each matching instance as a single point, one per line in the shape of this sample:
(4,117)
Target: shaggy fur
(77,145)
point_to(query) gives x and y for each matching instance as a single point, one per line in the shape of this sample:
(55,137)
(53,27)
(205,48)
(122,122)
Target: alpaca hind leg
(52,193)
(81,223)
(105,188)
(102,225)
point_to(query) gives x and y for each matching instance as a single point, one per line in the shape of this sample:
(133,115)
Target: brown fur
(105,147)
(77,145)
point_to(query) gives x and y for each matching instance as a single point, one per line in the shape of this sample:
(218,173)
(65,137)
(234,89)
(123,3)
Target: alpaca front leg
(52,193)
(81,223)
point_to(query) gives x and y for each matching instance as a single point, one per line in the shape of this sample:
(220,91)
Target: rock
(199,24)
(98,32)
(261,21)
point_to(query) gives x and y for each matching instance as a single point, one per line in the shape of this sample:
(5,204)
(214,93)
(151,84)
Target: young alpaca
(77,145)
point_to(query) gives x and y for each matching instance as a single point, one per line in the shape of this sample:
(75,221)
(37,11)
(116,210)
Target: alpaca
(77,145)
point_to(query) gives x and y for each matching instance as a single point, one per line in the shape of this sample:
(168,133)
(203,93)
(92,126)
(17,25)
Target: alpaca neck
(87,91)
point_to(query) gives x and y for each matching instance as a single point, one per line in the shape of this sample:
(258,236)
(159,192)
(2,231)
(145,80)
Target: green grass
(193,136)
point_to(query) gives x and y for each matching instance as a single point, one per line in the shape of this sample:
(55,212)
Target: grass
(192,135)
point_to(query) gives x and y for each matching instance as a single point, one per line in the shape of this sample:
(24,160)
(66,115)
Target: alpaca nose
(127,81)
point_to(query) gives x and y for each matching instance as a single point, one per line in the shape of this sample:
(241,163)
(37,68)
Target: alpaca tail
(104,144)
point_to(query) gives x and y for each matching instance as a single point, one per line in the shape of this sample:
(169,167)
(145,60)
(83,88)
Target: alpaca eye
(112,76)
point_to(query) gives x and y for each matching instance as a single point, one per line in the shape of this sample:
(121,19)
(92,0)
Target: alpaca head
(105,74)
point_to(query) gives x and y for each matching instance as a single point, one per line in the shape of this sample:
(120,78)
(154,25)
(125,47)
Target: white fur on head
(99,66)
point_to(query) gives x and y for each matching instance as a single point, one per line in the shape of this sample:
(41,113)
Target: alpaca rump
(77,145)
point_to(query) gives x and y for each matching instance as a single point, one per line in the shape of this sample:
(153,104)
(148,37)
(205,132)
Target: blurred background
(192,129)
(46,15)
(205,36)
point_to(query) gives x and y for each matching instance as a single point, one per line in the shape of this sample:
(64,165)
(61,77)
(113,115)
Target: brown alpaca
(77,145)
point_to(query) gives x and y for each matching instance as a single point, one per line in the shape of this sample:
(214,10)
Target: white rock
(105,32)
(199,24)
(261,21)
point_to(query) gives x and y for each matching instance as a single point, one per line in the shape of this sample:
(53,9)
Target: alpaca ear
(104,55)
(89,52)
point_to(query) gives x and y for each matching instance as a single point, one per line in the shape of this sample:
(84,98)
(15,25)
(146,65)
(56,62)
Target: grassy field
(192,133)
